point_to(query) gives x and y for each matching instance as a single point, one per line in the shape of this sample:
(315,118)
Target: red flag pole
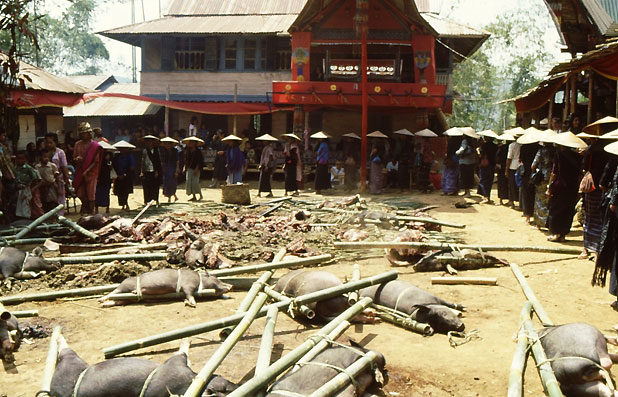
(365,99)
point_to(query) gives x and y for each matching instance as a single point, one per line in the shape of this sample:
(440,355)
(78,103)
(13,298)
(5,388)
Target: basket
(236,194)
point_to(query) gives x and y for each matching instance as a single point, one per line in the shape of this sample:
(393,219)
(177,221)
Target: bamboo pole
(41,228)
(42,296)
(402,320)
(271,210)
(516,376)
(50,361)
(344,378)
(142,211)
(25,313)
(23,241)
(247,301)
(271,202)
(322,344)
(253,291)
(217,358)
(312,260)
(79,229)
(4,313)
(525,287)
(356,275)
(464,280)
(278,296)
(149,247)
(361,245)
(550,383)
(465,261)
(234,319)
(205,293)
(38,221)
(403,218)
(242,283)
(258,382)
(266,345)
(108,258)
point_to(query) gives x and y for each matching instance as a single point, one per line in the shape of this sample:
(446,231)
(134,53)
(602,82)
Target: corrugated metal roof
(258,24)
(110,106)
(38,79)
(449,28)
(92,81)
(599,15)
(432,6)
(235,7)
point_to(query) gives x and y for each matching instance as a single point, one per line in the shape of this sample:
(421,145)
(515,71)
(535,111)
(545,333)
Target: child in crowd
(48,173)
(337,174)
(26,178)
(392,169)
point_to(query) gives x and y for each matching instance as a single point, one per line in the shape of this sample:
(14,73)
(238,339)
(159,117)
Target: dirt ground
(417,365)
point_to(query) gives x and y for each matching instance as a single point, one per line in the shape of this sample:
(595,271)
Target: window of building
(283,60)
(230,53)
(190,53)
(250,53)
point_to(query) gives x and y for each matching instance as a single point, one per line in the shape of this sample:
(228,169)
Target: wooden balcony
(343,94)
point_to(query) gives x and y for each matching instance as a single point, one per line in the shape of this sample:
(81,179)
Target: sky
(117,13)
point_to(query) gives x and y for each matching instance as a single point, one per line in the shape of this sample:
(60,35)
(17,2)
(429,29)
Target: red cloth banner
(222,108)
(28,99)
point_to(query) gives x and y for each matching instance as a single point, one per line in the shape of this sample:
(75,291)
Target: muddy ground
(417,365)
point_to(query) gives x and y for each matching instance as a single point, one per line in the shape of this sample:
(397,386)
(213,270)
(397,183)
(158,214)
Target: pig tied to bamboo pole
(363,245)
(536,304)
(344,378)
(278,367)
(235,319)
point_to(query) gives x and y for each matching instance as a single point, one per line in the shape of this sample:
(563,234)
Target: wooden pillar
(551,110)
(566,101)
(573,94)
(365,98)
(590,92)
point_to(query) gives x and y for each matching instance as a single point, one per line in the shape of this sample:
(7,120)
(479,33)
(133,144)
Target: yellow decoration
(424,90)
(300,78)
(377,88)
(288,87)
(333,87)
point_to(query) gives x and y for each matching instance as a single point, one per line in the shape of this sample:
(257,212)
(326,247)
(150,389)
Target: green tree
(67,45)
(15,24)
(513,60)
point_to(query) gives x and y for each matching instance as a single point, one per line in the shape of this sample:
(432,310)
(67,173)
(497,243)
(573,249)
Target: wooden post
(566,100)
(590,93)
(166,125)
(551,110)
(573,94)
(365,101)
(234,129)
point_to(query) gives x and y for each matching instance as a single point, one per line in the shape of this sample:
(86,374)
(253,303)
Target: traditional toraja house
(214,53)
(589,29)
(39,97)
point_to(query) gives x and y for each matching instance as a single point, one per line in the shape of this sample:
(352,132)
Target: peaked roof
(35,78)
(313,7)
(111,106)
(234,7)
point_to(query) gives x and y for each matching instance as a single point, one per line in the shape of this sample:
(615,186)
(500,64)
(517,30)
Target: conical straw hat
(531,135)
(123,145)
(517,131)
(488,134)
(569,139)
(231,138)
(319,135)
(168,139)
(506,137)
(267,137)
(405,132)
(293,136)
(352,135)
(193,139)
(547,136)
(469,131)
(453,131)
(584,135)
(151,137)
(593,127)
(427,133)
(610,135)
(612,148)
(106,146)
(377,134)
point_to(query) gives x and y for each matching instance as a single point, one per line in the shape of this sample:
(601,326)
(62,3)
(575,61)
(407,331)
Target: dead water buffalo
(326,365)
(578,353)
(421,305)
(23,265)
(128,376)
(10,336)
(165,281)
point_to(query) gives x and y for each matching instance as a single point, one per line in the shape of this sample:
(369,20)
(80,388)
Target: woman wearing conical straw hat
(563,185)
(290,168)
(151,169)
(170,165)
(124,164)
(267,164)
(607,258)
(194,162)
